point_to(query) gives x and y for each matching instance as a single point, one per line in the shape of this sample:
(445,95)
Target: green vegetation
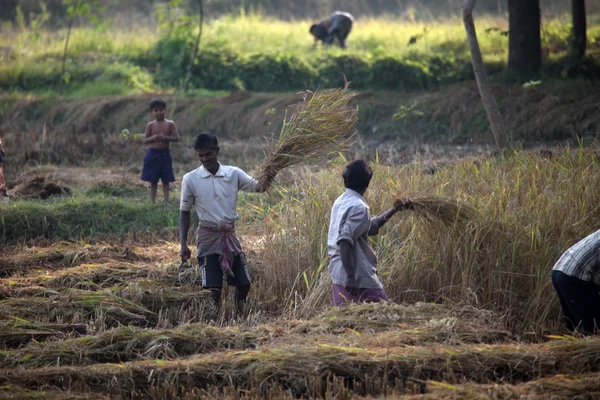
(86,215)
(254,52)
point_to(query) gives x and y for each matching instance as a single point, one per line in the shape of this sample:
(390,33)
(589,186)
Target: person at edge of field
(158,163)
(213,189)
(337,26)
(576,279)
(2,182)
(353,263)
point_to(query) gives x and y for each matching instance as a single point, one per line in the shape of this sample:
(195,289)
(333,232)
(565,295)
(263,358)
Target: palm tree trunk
(485,89)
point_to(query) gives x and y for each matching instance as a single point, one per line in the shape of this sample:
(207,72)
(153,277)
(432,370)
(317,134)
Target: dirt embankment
(446,122)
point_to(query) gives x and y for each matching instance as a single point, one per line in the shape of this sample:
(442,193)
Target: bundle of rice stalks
(427,321)
(64,254)
(126,343)
(451,213)
(318,126)
(78,306)
(16,393)
(372,370)
(38,188)
(89,276)
(558,387)
(15,332)
(173,305)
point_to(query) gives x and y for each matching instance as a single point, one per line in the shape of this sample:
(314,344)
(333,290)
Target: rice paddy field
(91,306)
(101,314)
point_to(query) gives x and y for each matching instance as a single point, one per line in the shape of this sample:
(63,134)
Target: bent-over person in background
(576,279)
(353,263)
(212,190)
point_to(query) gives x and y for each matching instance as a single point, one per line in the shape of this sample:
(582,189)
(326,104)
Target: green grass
(84,216)
(263,54)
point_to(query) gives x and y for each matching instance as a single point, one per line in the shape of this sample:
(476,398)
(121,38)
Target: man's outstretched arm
(184,226)
(379,221)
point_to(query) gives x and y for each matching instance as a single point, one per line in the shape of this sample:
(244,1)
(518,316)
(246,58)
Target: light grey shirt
(350,221)
(582,260)
(215,196)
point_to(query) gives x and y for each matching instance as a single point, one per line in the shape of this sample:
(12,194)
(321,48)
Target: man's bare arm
(379,221)
(184,227)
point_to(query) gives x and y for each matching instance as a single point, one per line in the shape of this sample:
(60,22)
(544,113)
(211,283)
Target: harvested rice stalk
(318,126)
(143,303)
(387,315)
(76,306)
(15,332)
(292,367)
(89,276)
(127,343)
(449,212)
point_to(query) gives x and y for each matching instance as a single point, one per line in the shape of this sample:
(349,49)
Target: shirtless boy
(158,163)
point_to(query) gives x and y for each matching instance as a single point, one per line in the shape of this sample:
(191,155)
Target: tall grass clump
(525,211)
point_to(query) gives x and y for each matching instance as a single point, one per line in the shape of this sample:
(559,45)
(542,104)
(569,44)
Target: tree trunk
(485,89)
(524,42)
(188,76)
(66,50)
(579,35)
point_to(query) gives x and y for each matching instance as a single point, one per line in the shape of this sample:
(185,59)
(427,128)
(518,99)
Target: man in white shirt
(576,279)
(212,189)
(353,263)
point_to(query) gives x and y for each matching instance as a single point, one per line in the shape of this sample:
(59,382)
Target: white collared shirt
(215,196)
(350,221)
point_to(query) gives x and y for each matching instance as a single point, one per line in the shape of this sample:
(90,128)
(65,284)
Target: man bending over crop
(576,279)
(213,189)
(353,264)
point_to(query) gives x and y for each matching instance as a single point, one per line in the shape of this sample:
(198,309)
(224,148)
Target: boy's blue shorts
(158,165)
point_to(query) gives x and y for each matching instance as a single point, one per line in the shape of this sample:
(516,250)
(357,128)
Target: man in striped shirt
(576,278)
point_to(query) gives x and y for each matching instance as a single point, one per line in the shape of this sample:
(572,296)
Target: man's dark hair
(357,175)
(157,103)
(206,140)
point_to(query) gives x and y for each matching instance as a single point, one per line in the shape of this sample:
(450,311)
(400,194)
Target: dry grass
(291,368)
(129,343)
(37,188)
(318,126)
(450,213)
(104,309)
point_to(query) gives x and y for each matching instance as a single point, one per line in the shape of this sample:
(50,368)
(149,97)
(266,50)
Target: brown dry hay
(142,306)
(292,367)
(37,188)
(15,332)
(130,343)
(17,393)
(318,126)
(65,254)
(450,212)
(558,387)
(93,276)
